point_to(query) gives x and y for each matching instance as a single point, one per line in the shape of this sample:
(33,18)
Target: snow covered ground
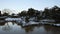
(13,19)
(31,22)
(56,24)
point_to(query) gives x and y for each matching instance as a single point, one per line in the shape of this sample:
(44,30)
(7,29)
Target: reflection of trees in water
(48,28)
(7,27)
(52,29)
(13,23)
(29,28)
(1,24)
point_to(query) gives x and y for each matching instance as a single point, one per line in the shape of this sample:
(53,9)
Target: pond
(13,28)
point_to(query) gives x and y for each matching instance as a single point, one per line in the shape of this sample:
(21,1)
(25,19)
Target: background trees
(47,13)
(31,12)
(52,13)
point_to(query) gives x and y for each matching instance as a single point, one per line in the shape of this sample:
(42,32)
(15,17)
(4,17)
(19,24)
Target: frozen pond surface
(13,28)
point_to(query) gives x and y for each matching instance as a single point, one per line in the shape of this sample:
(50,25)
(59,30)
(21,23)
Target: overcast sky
(19,5)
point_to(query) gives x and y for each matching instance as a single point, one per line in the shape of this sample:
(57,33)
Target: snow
(30,23)
(31,19)
(47,20)
(13,19)
(56,24)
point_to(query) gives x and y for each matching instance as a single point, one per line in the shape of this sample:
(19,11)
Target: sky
(19,5)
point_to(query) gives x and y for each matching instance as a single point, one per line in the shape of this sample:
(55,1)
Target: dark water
(13,28)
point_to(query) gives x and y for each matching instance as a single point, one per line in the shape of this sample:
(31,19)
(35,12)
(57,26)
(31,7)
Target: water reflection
(29,29)
(7,27)
(1,24)
(53,30)
(14,28)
